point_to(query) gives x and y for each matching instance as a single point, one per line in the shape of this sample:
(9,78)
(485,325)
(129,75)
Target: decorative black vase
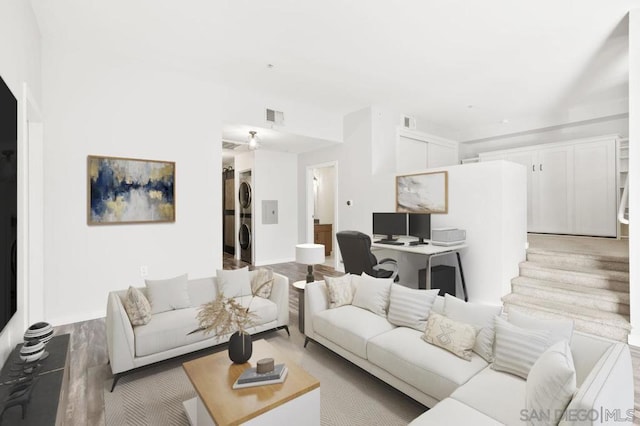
(240,347)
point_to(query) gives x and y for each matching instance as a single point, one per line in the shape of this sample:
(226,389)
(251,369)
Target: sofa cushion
(340,290)
(137,307)
(234,282)
(560,329)
(264,309)
(350,327)
(372,293)
(517,349)
(551,384)
(201,291)
(496,394)
(453,412)
(167,330)
(478,315)
(169,294)
(456,337)
(428,368)
(410,307)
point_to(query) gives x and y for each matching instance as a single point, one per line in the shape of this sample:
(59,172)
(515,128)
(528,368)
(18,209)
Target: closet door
(553,174)
(528,160)
(595,188)
(411,155)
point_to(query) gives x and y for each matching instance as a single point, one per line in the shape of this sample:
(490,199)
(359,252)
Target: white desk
(430,250)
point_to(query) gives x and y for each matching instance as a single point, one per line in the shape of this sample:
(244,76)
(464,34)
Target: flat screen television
(389,225)
(8,203)
(420,226)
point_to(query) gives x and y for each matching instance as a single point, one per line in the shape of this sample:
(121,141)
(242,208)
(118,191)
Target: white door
(441,155)
(595,188)
(553,174)
(411,155)
(528,160)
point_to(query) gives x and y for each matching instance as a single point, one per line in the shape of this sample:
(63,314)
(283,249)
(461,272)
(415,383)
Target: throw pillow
(262,283)
(169,294)
(409,307)
(234,282)
(517,349)
(480,316)
(340,290)
(561,329)
(551,384)
(137,307)
(456,337)
(373,294)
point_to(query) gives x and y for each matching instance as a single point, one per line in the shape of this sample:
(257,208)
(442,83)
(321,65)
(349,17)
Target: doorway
(322,203)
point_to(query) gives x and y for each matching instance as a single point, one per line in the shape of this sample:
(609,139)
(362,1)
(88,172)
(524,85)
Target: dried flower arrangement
(224,315)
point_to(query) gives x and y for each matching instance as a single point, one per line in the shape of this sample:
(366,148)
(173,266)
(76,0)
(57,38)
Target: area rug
(348,395)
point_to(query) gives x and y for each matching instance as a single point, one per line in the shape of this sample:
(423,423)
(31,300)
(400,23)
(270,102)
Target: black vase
(240,347)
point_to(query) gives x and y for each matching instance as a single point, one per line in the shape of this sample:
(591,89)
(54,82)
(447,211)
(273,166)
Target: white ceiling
(542,61)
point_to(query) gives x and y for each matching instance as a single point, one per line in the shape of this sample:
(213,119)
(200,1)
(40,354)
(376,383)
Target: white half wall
(634,174)
(100,104)
(20,63)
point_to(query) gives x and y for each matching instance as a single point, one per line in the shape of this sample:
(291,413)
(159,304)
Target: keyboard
(391,243)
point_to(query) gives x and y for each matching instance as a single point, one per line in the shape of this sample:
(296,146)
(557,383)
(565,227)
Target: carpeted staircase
(591,289)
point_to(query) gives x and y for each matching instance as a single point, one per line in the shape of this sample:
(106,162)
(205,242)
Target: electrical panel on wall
(275,117)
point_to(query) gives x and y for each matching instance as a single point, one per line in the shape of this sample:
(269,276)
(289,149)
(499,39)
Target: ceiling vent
(230,145)
(408,122)
(275,117)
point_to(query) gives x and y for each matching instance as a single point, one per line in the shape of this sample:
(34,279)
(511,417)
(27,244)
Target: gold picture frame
(124,190)
(423,193)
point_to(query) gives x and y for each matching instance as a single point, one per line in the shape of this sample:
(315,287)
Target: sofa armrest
(316,299)
(606,396)
(280,296)
(120,338)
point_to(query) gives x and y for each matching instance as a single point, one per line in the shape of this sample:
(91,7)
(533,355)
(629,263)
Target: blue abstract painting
(127,190)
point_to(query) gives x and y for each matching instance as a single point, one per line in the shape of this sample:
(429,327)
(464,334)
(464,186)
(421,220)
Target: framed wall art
(130,190)
(422,193)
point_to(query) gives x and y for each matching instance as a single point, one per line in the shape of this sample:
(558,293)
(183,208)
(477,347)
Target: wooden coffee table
(217,403)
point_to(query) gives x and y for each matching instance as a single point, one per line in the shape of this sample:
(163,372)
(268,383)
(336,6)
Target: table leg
(301,311)
(464,286)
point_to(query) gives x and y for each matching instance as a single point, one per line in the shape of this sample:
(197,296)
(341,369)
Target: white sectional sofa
(460,391)
(167,334)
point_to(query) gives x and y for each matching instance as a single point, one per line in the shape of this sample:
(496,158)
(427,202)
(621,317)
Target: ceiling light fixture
(253,140)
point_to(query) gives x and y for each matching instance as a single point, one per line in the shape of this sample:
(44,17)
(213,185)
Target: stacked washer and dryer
(245,237)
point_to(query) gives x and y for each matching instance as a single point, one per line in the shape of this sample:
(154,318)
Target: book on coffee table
(250,378)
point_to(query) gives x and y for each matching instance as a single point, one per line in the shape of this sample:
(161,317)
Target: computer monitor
(420,226)
(389,224)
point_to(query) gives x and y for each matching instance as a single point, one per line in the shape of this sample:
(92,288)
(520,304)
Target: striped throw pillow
(410,307)
(517,349)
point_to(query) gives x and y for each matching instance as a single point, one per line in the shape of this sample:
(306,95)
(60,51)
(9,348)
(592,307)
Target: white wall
(275,178)
(325,194)
(634,174)
(19,63)
(99,104)
(611,125)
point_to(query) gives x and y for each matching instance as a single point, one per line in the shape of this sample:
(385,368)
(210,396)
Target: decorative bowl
(41,331)
(31,351)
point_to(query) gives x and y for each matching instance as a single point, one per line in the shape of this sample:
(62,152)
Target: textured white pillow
(478,315)
(340,290)
(409,307)
(137,307)
(561,329)
(373,294)
(550,385)
(517,349)
(169,294)
(234,282)
(456,337)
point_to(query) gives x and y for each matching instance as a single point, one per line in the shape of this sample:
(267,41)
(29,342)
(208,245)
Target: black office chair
(356,254)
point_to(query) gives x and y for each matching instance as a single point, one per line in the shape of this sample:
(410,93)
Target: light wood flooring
(90,371)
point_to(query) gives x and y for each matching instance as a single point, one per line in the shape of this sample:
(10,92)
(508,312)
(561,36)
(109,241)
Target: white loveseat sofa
(459,391)
(167,334)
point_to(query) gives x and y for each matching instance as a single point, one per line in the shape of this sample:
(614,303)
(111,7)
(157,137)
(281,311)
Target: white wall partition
(634,174)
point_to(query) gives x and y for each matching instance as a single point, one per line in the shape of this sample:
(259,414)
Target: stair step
(588,297)
(598,278)
(578,261)
(593,321)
